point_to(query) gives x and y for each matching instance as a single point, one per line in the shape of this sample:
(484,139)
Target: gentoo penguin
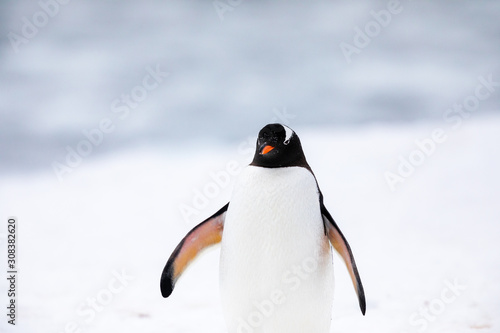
(276,270)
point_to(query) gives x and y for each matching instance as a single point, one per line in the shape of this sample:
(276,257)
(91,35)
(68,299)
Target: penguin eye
(286,142)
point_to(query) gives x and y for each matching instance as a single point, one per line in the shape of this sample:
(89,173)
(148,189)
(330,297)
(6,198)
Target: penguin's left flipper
(341,245)
(205,234)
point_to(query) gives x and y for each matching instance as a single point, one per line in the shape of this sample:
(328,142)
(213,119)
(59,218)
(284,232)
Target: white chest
(274,244)
(275,210)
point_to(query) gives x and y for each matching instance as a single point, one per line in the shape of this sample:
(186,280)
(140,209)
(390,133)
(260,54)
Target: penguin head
(278,146)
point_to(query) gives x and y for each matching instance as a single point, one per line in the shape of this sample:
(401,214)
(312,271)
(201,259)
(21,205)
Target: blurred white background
(226,76)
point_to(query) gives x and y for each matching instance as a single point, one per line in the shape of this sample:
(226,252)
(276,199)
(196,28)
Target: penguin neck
(298,161)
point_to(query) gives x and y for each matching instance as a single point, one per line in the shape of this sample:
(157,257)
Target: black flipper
(205,234)
(341,245)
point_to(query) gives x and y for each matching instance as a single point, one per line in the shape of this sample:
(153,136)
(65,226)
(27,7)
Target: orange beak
(267,149)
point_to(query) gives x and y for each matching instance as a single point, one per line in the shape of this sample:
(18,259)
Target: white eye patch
(288,134)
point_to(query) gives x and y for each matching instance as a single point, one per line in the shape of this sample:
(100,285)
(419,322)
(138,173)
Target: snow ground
(120,214)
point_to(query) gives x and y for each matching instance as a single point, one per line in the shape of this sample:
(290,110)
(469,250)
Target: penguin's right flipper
(205,234)
(341,245)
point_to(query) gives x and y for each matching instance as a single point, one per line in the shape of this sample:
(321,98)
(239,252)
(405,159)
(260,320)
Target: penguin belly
(276,272)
